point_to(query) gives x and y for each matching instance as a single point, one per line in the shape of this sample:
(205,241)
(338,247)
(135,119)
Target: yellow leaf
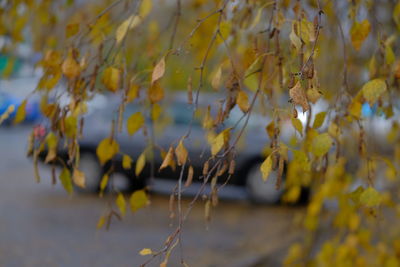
(296,41)
(298,96)
(355,108)
(155,111)
(313,95)
(71,29)
(225,28)
(319,120)
(145,8)
(130,23)
(297,125)
(140,163)
(359,32)
(101,222)
(321,144)
(52,141)
(145,251)
(21,113)
(103,183)
(181,153)
(189,177)
(373,89)
(70,123)
(216,80)
(138,200)
(158,71)
(65,178)
(370,197)
(169,157)
(219,141)
(126,162)
(79,178)
(70,67)
(155,93)
(120,201)
(111,79)
(389,55)
(266,167)
(242,101)
(134,123)
(106,150)
(133,93)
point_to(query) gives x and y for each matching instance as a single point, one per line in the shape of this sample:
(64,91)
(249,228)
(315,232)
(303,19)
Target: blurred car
(171,126)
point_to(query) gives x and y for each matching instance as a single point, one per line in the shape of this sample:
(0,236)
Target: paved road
(41,225)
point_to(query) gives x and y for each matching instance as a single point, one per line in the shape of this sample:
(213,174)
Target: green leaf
(66,181)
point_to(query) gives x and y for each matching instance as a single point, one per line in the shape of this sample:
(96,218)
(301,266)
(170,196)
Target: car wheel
(260,191)
(89,164)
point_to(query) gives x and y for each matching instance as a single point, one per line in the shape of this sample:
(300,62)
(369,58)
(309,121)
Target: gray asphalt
(41,225)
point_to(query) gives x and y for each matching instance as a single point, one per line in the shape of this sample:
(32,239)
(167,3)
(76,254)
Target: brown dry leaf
(181,153)
(242,101)
(298,97)
(70,67)
(79,178)
(219,141)
(216,80)
(189,177)
(168,158)
(158,71)
(155,93)
(359,32)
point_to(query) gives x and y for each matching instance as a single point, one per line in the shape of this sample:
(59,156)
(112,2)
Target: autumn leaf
(132,93)
(169,157)
(242,101)
(79,178)
(21,113)
(120,201)
(359,32)
(132,22)
(111,79)
(106,150)
(373,89)
(145,8)
(321,144)
(266,168)
(181,153)
(158,71)
(216,80)
(298,96)
(71,29)
(297,125)
(65,178)
(101,222)
(134,123)
(126,162)
(70,67)
(138,200)
(145,251)
(189,176)
(103,183)
(52,141)
(313,95)
(319,120)
(155,92)
(219,141)
(140,163)
(370,197)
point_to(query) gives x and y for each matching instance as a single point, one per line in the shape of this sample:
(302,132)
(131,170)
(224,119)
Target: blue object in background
(33,113)
(367,110)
